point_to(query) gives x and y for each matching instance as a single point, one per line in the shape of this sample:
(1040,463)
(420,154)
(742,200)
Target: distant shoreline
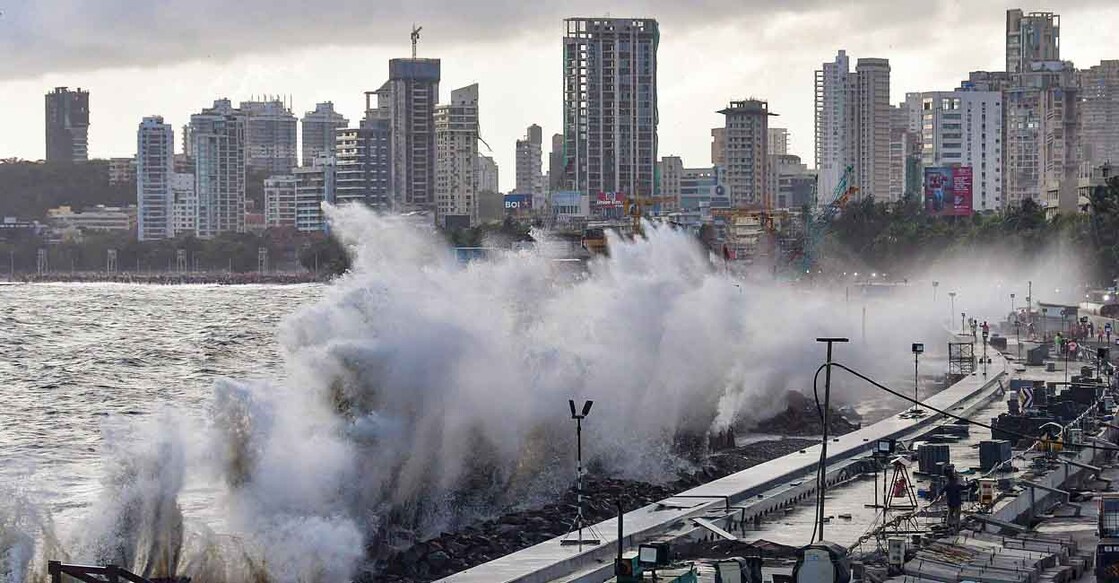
(174,278)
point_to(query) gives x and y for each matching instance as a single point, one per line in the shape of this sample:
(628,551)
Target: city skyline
(699,72)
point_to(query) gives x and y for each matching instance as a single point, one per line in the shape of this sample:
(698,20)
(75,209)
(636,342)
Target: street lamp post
(918,348)
(1018,336)
(1012,304)
(822,476)
(985,333)
(935,285)
(952,311)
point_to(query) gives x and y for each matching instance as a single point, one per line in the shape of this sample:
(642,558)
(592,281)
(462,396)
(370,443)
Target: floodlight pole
(821,487)
(578,416)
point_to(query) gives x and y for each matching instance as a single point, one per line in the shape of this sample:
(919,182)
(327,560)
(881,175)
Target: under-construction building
(413,92)
(610,105)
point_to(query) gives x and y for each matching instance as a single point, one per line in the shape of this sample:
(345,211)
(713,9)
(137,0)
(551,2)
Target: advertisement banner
(948,191)
(516,203)
(610,200)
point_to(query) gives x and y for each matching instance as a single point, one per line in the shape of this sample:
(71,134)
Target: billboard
(948,191)
(518,203)
(606,200)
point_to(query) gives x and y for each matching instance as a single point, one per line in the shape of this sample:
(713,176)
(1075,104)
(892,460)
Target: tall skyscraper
(1041,123)
(528,162)
(67,125)
(834,134)
(964,128)
(155,169)
(486,175)
(319,128)
(610,104)
(853,126)
(747,152)
(409,98)
(456,146)
(555,164)
(1031,37)
(872,144)
(1099,113)
(218,143)
(363,157)
(270,136)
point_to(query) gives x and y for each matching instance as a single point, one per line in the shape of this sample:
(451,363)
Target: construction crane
(415,38)
(816,227)
(637,209)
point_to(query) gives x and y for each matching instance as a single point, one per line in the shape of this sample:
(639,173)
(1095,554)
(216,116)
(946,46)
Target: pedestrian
(954,493)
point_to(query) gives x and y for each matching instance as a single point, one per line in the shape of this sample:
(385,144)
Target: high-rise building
(279,201)
(1041,136)
(218,143)
(747,152)
(853,126)
(155,167)
(872,143)
(778,141)
(555,164)
(671,171)
(486,175)
(1099,113)
(184,205)
(529,151)
(67,125)
(610,105)
(363,157)
(319,131)
(702,187)
(314,185)
(456,146)
(408,101)
(964,128)
(833,120)
(270,136)
(1029,38)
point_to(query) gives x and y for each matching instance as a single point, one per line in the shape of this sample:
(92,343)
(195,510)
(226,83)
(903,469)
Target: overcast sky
(173,57)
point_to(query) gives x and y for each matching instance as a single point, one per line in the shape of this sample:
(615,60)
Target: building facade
(456,145)
(363,162)
(671,171)
(528,162)
(279,201)
(218,143)
(853,121)
(555,164)
(964,128)
(408,101)
(486,174)
(778,141)
(795,182)
(610,105)
(314,185)
(270,136)
(747,152)
(319,130)
(67,125)
(1099,113)
(1031,37)
(122,171)
(155,168)
(184,205)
